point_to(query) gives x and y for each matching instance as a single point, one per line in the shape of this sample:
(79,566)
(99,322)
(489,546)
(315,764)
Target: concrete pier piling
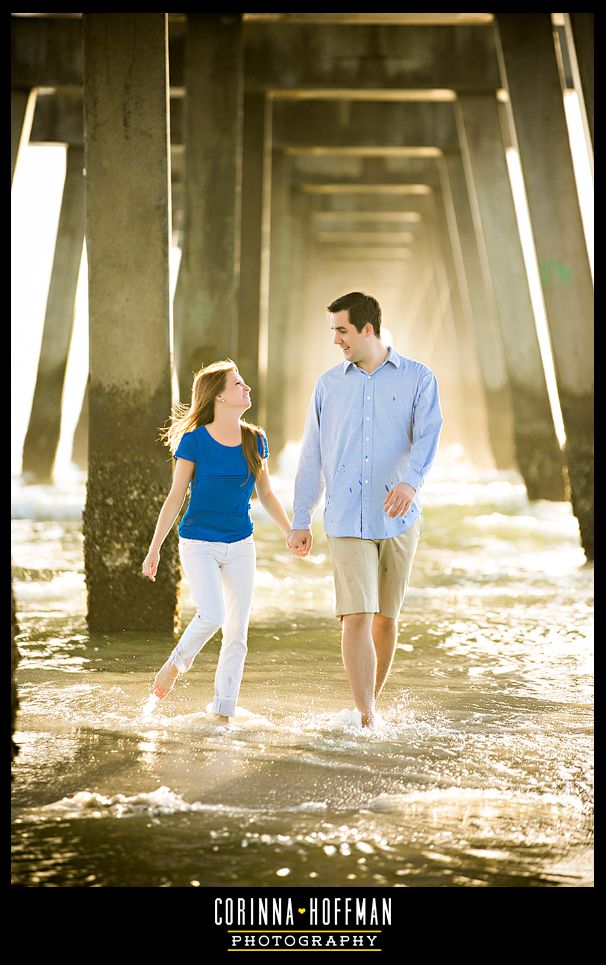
(206,301)
(482,310)
(538,453)
(530,72)
(255,228)
(127,237)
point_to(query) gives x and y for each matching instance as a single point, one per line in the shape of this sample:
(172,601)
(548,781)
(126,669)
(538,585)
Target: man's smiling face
(353,344)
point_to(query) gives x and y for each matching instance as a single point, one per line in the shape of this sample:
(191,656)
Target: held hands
(150,565)
(299,542)
(399,500)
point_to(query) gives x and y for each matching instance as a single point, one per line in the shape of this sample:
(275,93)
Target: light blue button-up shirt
(365,432)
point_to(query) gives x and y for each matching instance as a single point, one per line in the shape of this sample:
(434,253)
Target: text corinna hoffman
(312,912)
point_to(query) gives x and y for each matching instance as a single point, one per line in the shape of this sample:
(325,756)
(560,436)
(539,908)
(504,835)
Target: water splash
(244,718)
(149,706)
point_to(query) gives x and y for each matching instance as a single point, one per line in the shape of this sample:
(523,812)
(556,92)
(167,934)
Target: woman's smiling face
(236,392)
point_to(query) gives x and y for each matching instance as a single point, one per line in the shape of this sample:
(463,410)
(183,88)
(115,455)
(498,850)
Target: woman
(223,458)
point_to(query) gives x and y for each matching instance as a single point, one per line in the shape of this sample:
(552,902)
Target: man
(372,432)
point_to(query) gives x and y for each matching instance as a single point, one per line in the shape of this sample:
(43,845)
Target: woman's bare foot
(224,720)
(165,679)
(368,720)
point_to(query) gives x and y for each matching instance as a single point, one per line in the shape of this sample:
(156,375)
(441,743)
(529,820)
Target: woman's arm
(270,501)
(172,504)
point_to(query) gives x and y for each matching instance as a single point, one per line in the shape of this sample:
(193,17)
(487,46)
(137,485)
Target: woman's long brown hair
(207,384)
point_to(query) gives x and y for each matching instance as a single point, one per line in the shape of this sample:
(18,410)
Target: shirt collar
(392,356)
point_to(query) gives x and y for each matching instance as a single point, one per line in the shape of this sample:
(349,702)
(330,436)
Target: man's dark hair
(362,309)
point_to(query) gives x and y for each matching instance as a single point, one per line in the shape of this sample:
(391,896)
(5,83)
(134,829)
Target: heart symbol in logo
(301,911)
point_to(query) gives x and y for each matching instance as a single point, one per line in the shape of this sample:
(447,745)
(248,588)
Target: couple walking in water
(370,437)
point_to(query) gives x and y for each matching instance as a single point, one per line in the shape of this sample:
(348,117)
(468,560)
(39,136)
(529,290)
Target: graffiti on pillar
(553,272)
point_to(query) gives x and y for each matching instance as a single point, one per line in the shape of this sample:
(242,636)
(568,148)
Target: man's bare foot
(224,720)
(165,679)
(368,720)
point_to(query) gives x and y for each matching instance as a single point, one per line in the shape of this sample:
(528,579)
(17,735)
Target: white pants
(221,578)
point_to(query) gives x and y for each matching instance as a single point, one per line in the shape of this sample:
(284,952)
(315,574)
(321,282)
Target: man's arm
(309,484)
(426,426)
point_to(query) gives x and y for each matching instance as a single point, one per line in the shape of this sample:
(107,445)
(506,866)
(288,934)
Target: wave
(64,501)
(164,801)
(462,797)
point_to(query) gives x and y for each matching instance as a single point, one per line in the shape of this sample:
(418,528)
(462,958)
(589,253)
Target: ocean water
(479,773)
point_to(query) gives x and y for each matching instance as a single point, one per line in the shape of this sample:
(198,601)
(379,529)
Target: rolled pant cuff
(226,708)
(180,663)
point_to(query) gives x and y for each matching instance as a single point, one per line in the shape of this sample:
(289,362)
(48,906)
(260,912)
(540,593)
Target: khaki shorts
(371,575)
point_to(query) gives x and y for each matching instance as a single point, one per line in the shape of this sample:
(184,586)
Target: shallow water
(479,773)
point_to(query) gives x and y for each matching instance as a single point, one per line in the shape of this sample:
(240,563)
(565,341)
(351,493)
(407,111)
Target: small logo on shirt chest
(395,398)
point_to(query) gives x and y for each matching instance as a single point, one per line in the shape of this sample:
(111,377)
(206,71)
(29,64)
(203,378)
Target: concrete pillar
(488,337)
(127,240)
(80,441)
(280,336)
(538,453)
(579,35)
(457,322)
(424,297)
(22,115)
(316,353)
(429,291)
(256,180)
(436,343)
(44,428)
(206,301)
(530,71)
(296,399)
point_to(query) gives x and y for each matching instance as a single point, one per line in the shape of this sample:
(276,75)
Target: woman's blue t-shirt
(221,487)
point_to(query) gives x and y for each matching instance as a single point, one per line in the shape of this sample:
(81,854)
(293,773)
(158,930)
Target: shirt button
(368,397)
(367,418)
(366,481)
(367,439)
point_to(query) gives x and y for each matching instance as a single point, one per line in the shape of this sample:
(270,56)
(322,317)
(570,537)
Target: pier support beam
(455,314)
(254,277)
(488,336)
(296,399)
(281,336)
(530,70)
(538,453)
(580,37)
(127,238)
(206,300)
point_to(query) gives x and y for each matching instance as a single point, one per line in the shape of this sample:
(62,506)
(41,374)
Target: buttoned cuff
(413,478)
(302,520)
